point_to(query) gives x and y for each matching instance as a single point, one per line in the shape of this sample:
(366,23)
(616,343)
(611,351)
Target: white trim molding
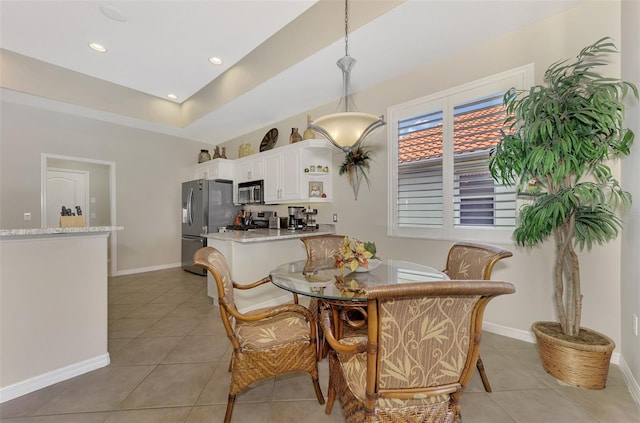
(42,381)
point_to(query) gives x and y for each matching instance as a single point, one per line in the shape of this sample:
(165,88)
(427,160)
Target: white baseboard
(522,335)
(146,269)
(632,383)
(30,385)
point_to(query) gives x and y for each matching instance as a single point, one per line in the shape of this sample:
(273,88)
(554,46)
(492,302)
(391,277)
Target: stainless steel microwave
(251,192)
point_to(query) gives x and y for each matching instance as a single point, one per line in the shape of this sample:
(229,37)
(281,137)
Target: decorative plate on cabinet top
(269,140)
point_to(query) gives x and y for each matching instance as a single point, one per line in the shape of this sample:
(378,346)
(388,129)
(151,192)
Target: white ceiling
(163,48)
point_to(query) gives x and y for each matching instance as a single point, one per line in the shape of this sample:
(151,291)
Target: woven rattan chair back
(321,254)
(266,342)
(421,346)
(467,260)
(321,250)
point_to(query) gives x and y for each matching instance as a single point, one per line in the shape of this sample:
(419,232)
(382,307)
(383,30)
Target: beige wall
(149,168)
(561,36)
(630,280)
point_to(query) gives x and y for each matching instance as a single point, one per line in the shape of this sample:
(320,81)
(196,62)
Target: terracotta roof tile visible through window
(473,131)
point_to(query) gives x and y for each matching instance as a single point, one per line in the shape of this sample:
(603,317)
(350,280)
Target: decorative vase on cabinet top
(308,133)
(295,136)
(204,156)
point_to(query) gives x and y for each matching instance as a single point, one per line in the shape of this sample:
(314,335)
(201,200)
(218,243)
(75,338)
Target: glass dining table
(344,293)
(303,278)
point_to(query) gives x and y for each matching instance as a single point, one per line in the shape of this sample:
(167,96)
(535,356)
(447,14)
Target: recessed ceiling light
(172,96)
(97,47)
(215,60)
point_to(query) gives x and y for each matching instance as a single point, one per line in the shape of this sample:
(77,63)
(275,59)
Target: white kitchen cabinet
(294,173)
(249,168)
(212,169)
(282,177)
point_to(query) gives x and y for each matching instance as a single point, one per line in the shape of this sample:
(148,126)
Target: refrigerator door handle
(190,206)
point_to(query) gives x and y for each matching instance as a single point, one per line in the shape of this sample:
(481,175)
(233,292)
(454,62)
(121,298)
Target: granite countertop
(58,231)
(262,235)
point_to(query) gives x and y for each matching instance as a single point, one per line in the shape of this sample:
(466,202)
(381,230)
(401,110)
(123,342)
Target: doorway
(66,188)
(76,181)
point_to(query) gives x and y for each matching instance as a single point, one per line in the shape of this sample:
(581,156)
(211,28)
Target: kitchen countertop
(262,235)
(57,231)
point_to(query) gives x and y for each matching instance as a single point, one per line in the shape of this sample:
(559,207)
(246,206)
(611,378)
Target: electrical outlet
(27,216)
(634,324)
(335,217)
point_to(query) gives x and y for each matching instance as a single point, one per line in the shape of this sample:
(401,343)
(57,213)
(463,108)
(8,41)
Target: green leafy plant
(562,134)
(356,158)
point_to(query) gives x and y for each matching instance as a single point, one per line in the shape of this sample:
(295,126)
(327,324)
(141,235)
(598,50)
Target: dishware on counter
(274,221)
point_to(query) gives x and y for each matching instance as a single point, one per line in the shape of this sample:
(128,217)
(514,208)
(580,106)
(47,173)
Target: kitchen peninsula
(252,255)
(53,305)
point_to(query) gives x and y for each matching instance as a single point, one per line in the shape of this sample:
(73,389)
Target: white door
(67,188)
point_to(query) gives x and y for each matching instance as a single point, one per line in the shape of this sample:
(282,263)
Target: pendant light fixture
(348,127)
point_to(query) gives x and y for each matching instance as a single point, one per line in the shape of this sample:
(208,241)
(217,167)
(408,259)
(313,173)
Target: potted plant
(558,138)
(356,166)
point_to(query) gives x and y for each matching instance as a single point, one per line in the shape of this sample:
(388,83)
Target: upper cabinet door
(249,169)
(272,178)
(282,177)
(290,176)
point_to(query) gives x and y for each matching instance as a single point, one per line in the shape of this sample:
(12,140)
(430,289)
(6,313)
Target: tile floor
(169,358)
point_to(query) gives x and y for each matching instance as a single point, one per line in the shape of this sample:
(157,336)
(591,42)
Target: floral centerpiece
(355,254)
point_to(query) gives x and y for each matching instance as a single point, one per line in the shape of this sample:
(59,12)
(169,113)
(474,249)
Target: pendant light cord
(346,27)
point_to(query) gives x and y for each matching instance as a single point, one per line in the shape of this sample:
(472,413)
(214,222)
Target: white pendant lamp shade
(346,130)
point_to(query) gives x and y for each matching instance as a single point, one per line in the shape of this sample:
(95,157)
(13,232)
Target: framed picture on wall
(315,189)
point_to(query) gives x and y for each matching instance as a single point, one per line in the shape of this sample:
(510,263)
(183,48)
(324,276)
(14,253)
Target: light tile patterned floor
(169,358)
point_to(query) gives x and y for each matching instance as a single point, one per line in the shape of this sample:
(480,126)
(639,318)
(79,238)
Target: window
(439,151)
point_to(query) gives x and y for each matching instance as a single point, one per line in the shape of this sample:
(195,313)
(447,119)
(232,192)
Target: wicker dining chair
(321,250)
(467,260)
(266,342)
(419,354)
(321,254)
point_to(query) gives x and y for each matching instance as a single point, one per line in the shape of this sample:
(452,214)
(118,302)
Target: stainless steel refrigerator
(206,204)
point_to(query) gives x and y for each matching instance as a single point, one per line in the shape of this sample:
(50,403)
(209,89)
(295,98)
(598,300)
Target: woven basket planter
(578,364)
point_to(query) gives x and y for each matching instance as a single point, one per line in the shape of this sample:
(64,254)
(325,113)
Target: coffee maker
(296,218)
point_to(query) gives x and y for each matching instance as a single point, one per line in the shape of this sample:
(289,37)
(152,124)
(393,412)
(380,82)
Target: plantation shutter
(478,199)
(420,178)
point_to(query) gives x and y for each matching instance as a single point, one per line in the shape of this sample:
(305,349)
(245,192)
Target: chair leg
(229,412)
(483,375)
(316,387)
(331,391)
(331,397)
